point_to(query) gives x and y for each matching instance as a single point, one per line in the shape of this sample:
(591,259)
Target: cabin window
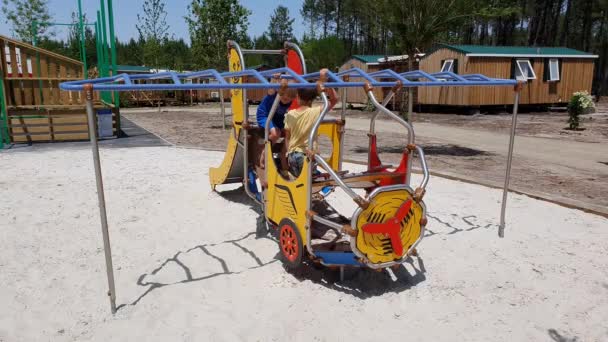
(524,71)
(448,66)
(554,69)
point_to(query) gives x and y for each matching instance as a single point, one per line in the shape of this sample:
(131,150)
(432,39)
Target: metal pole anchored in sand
(505,191)
(88,91)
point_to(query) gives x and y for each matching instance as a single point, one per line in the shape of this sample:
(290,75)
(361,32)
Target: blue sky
(125,15)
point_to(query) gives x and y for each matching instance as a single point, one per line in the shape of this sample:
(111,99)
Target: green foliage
(153,29)
(130,53)
(324,53)
(280,27)
(72,44)
(211,23)
(22,13)
(416,24)
(580,102)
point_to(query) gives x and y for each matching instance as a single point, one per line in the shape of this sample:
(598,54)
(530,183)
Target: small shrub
(580,102)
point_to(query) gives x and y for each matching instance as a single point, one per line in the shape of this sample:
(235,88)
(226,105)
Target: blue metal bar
(381,78)
(390,73)
(448,75)
(417,74)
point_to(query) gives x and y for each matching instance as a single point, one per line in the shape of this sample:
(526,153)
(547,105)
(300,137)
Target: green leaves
(280,27)
(211,23)
(22,13)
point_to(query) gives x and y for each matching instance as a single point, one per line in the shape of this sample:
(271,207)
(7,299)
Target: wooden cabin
(552,74)
(367,63)
(32,107)
(399,64)
(371,63)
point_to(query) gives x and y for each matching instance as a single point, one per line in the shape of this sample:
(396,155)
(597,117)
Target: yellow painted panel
(286,198)
(218,175)
(383,214)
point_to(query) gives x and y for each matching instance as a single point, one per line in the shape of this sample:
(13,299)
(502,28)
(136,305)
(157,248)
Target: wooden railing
(33,106)
(31,76)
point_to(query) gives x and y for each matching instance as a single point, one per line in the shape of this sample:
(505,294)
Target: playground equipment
(390,217)
(31,106)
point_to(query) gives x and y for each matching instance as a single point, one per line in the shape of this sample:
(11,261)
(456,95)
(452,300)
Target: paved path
(580,155)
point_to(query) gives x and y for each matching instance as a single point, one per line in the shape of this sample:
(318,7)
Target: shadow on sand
(360,282)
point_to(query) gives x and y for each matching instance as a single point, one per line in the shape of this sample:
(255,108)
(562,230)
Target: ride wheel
(290,244)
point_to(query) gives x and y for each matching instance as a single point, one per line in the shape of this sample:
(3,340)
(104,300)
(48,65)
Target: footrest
(338,258)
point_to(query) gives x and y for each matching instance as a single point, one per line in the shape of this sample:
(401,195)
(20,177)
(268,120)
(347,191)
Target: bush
(580,102)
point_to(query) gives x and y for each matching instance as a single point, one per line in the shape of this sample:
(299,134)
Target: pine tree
(280,27)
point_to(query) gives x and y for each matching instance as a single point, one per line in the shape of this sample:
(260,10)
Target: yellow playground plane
(390,216)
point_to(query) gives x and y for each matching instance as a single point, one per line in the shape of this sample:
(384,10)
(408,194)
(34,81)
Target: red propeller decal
(391,227)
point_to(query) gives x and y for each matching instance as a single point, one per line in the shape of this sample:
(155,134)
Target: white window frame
(553,77)
(451,65)
(522,76)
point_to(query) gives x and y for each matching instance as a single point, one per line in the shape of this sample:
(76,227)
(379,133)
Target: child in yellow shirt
(298,125)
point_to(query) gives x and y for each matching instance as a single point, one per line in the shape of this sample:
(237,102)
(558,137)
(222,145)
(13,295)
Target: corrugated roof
(368,58)
(518,51)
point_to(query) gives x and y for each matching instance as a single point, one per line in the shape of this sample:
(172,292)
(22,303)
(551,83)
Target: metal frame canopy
(381,78)
(350,78)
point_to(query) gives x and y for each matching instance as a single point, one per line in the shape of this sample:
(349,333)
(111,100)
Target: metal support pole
(410,119)
(113,55)
(88,92)
(104,32)
(106,58)
(343,127)
(223,109)
(98,44)
(4,133)
(505,191)
(83,49)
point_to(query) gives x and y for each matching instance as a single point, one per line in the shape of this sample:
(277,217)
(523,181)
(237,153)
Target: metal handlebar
(261,52)
(372,124)
(425,169)
(411,135)
(315,128)
(410,129)
(273,110)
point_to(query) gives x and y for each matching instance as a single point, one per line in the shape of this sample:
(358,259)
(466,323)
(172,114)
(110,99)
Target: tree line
(337,29)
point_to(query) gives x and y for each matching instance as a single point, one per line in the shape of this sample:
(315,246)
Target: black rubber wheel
(291,247)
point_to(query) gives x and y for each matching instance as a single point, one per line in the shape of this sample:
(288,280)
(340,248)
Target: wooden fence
(33,106)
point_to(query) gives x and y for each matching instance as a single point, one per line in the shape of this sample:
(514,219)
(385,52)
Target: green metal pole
(106,57)
(100,55)
(98,43)
(83,48)
(34,43)
(114,69)
(4,137)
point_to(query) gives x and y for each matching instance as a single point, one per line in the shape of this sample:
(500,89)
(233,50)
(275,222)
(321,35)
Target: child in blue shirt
(277,124)
(276,128)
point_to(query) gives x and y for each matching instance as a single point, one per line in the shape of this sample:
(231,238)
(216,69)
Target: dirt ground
(574,184)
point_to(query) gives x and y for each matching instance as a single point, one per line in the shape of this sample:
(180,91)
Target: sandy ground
(189,268)
(549,162)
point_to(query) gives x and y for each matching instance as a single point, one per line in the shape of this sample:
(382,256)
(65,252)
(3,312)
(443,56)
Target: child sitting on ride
(275,128)
(277,123)
(299,123)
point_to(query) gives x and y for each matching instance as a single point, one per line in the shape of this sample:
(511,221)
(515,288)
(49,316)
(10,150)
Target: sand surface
(189,267)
